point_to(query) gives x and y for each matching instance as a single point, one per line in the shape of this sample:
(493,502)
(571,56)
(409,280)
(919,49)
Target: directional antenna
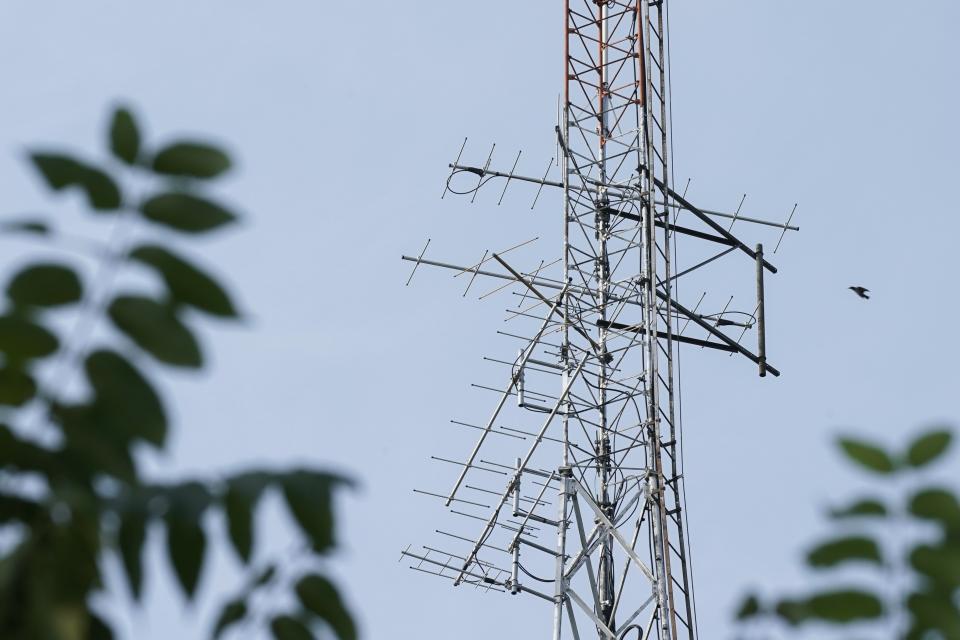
(570,489)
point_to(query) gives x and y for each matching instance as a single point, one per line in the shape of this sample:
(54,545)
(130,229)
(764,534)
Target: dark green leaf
(91,450)
(130,539)
(320,597)
(289,628)
(192,160)
(940,563)
(16,387)
(928,447)
(21,339)
(19,454)
(62,171)
(14,509)
(45,285)
(185,212)
(844,606)
(36,227)
(99,629)
(232,613)
(124,136)
(240,500)
(156,329)
(868,455)
(793,612)
(933,612)
(125,400)
(309,497)
(861,508)
(187,284)
(750,608)
(186,541)
(854,548)
(939,505)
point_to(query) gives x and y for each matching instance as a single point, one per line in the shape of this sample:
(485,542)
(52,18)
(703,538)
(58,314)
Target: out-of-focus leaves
(61,171)
(192,160)
(933,612)
(853,548)
(99,629)
(35,227)
(289,628)
(88,447)
(232,613)
(16,387)
(240,501)
(838,607)
(308,495)
(749,608)
(21,455)
(862,508)
(185,212)
(939,505)
(318,596)
(125,400)
(130,539)
(124,136)
(868,456)
(187,284)
(928,448)
(941,564)
(156,329)
(22,339)
(186,540)
(45,285)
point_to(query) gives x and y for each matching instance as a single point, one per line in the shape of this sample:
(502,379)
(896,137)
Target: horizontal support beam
(635,328)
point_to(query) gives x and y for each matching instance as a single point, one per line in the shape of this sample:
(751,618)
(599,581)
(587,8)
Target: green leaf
(124,136)
(192,160)
(187,284)
(130,539)
(16,387)
(320,597)
(185,212)
(99,629)
(125,400)
(940,563)
(186,540)
(793,612)
(928,448)
(89,449)
(308,495)
(750,608)
(240,500)
(868,455)
(157,330)
(939,505)
(853,548)
(62,171)
(845,606)
(21,455)
(35,227)
(45,285)
(232,613)
(933,611)
(862,508)
(21,339)
(289,628)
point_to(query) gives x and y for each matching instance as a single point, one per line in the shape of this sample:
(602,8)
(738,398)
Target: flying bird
(861,291)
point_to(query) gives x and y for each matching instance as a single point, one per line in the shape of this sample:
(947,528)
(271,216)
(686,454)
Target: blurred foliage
(72,494)
(905,549)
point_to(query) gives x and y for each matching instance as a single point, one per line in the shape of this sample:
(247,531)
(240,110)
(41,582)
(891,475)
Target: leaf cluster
(929,597)
(72,490)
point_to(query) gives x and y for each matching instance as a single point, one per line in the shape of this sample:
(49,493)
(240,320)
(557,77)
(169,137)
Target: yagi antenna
(570,488)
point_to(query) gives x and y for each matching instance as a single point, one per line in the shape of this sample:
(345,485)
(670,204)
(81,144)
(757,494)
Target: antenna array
(573,490)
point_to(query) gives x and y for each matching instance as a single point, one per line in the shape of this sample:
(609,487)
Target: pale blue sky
(343,116)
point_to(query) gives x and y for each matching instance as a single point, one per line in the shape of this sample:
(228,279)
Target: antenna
(572,491)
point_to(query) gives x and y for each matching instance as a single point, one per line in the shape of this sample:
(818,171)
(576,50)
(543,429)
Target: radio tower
(593,385)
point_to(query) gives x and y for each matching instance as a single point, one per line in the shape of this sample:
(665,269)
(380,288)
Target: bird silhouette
(861,291)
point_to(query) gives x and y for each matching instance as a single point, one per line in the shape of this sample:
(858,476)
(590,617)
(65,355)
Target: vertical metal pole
(761,320)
